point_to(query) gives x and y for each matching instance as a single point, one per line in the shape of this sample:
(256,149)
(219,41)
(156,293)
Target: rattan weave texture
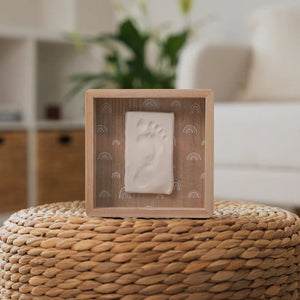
(245,251)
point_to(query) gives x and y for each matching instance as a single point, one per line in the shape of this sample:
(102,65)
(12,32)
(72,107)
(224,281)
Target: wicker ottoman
(245,251)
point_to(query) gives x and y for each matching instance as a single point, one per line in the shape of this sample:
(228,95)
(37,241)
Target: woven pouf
(245,251)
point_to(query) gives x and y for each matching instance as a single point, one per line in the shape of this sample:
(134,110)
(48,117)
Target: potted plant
(127,58)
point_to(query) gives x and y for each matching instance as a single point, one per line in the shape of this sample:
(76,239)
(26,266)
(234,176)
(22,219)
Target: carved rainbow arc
(190,129)
(116,142)
(193,156)
(195,108)
(101,129)
(106,108)
(177,185)
(104,194)
(150,104)
(115,175)
(193,195)
(123,195)
(104,156)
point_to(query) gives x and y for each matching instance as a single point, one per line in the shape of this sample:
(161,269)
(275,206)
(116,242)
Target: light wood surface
(60,166)
(90,133)
(209,152)
(13,172)
(193,153)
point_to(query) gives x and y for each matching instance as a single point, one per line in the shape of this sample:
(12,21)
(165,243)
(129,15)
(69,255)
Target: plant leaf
(172,46)
(84,77)
(99,38)
(185,6)
(84,81)
(76,38)
(132,38)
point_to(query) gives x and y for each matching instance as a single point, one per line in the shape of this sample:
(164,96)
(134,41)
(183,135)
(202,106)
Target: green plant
(127,56)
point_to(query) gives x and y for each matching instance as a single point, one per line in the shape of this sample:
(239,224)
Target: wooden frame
(195,209)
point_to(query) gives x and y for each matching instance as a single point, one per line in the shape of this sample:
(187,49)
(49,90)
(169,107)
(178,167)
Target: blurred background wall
(229,19)
(42,133)
(222,20)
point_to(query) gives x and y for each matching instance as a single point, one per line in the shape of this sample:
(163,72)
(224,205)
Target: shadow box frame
(204,211)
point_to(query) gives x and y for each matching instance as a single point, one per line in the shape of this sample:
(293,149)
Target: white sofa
(257,152)
(257,121)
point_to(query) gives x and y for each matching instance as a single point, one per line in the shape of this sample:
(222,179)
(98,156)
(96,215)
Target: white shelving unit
(28,60)
(30,57)
(88,16)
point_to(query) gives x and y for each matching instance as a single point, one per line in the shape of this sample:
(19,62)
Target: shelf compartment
(58,61)
(15,75)
(60,166)
(13,171)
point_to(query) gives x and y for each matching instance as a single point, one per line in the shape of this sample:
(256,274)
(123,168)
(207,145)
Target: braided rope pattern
(245,251)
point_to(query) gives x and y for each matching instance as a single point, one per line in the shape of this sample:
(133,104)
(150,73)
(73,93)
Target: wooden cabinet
(60,166)
(13,171)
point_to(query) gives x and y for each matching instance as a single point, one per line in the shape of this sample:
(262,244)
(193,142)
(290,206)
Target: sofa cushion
(275,69)
(260,135)
(200,63)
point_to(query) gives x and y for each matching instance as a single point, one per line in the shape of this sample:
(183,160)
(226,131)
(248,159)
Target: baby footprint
(151,144)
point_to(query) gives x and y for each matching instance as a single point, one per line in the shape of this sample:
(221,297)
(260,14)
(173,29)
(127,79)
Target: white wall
(88,16)
(94,16)
(228,19)
(225,20)
(19,13)
(56,14)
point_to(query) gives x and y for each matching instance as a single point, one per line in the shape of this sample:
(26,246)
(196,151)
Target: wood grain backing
(13,171)
(60,166)
(192,195)
(110,145)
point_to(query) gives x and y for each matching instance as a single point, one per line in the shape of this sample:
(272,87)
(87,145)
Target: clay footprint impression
(151,144)
(149,152)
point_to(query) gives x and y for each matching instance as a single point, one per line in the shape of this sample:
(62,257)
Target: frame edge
(89,152)
(209,152)
(93,211)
